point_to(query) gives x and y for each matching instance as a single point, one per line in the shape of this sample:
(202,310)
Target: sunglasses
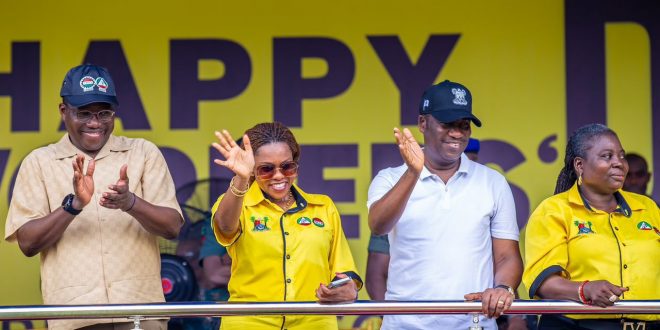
(103,116)
(267,171)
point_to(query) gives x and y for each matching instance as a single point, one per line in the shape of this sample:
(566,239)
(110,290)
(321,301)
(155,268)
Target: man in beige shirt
(98,245)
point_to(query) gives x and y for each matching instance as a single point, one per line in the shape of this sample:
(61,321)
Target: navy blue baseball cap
(448,102)
(87,84)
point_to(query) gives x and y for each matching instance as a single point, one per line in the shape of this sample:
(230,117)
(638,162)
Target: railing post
(475,323)
(136,322)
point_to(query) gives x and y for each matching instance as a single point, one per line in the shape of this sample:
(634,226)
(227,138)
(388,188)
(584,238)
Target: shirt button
(624,244)
(288,280)
(288,256)
(625,266)
(286,233)
(616,228)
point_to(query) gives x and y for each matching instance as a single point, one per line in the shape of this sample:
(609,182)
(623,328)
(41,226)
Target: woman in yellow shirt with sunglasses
(285,244)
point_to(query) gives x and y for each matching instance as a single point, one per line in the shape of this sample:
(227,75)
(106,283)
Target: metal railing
(193,309)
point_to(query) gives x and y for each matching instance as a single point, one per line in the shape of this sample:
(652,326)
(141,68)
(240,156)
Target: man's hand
(494,301)
(119,197)
(83,184)
(410,150)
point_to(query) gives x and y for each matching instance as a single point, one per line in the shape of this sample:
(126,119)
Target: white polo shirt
(441,247)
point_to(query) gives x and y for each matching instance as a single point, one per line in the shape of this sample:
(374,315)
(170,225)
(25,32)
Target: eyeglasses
(103,116)
(267,171)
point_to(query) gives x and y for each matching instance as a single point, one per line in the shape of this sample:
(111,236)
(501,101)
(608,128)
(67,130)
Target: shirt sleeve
(219,238)
(503,224)
(379,244)
(29,199)
(546,246)
(380,185)
(157,184)
(341,259)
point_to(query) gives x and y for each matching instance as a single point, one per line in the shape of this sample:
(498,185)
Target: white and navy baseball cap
(87,84)
(448,102)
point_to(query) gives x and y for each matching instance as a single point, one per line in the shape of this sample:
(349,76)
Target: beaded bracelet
(581,296)
(235,191)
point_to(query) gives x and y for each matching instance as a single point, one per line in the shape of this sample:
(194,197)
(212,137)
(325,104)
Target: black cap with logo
(448,102)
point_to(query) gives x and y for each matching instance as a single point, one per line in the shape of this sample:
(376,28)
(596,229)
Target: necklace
(286,201)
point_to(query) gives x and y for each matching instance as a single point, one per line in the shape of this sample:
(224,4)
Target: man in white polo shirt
(451,221)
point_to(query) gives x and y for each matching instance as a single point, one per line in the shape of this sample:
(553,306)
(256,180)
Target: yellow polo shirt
(566,236)
(284,256)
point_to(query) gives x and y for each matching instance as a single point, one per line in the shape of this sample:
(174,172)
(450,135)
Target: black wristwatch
(67,204)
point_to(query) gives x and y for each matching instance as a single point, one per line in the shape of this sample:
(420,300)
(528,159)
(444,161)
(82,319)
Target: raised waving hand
(238,160)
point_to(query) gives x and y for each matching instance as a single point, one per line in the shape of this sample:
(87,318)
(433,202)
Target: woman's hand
(238,160)
(602,293)
(346,293)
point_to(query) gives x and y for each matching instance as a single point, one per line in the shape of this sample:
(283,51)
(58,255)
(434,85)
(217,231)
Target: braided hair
(578,144)
(266,133)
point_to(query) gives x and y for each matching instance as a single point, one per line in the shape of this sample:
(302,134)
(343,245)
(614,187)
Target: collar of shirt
(464,168)
(65,149)
(255,196)
(625,206)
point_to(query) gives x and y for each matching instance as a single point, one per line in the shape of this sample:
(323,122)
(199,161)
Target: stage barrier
(137,312)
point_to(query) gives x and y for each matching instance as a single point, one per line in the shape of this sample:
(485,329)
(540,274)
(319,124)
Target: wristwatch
(508,288)
(67,204)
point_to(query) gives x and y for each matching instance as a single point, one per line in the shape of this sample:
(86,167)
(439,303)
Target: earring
(579,180)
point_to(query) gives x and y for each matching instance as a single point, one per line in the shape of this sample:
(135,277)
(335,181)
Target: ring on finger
(613,298)
(500,302)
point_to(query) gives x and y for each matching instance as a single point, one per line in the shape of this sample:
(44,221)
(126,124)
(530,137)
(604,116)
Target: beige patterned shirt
(105,256)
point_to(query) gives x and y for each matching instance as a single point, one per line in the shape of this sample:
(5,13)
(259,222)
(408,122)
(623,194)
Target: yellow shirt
(104,256)
(567,237)
(284,256)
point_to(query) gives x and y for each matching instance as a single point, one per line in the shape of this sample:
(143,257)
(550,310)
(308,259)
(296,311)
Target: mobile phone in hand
(339,282)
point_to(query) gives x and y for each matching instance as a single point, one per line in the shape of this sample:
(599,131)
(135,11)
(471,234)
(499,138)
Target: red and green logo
(87,83)
(584,227)
(318,223)
(304,221)
(103,85)
(260,224)
(644,226)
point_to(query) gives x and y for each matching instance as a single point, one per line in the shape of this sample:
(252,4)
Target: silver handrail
(312,308)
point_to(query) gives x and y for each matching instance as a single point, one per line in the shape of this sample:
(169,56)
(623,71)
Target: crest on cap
(87,84)
(459,96)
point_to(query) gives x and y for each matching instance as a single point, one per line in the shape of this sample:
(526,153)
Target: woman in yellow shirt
(285,244)
(592,242)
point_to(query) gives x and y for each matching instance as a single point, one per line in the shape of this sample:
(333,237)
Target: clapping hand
(238,160)
(119,197)
(83,184)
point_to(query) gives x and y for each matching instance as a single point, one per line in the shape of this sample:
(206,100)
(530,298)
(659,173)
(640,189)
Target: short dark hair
(266,133)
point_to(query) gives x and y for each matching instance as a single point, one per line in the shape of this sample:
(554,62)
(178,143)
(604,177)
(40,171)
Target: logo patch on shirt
(644,226)
(584,227)
(318,223)
(260,224)
(304,221)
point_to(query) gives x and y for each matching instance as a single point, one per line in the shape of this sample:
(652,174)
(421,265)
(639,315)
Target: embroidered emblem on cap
(426,104)
(318,223)
(304,221)
(459,96)
(584,227)
(87,83)
(644,226)
(260,224)
(103,85)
